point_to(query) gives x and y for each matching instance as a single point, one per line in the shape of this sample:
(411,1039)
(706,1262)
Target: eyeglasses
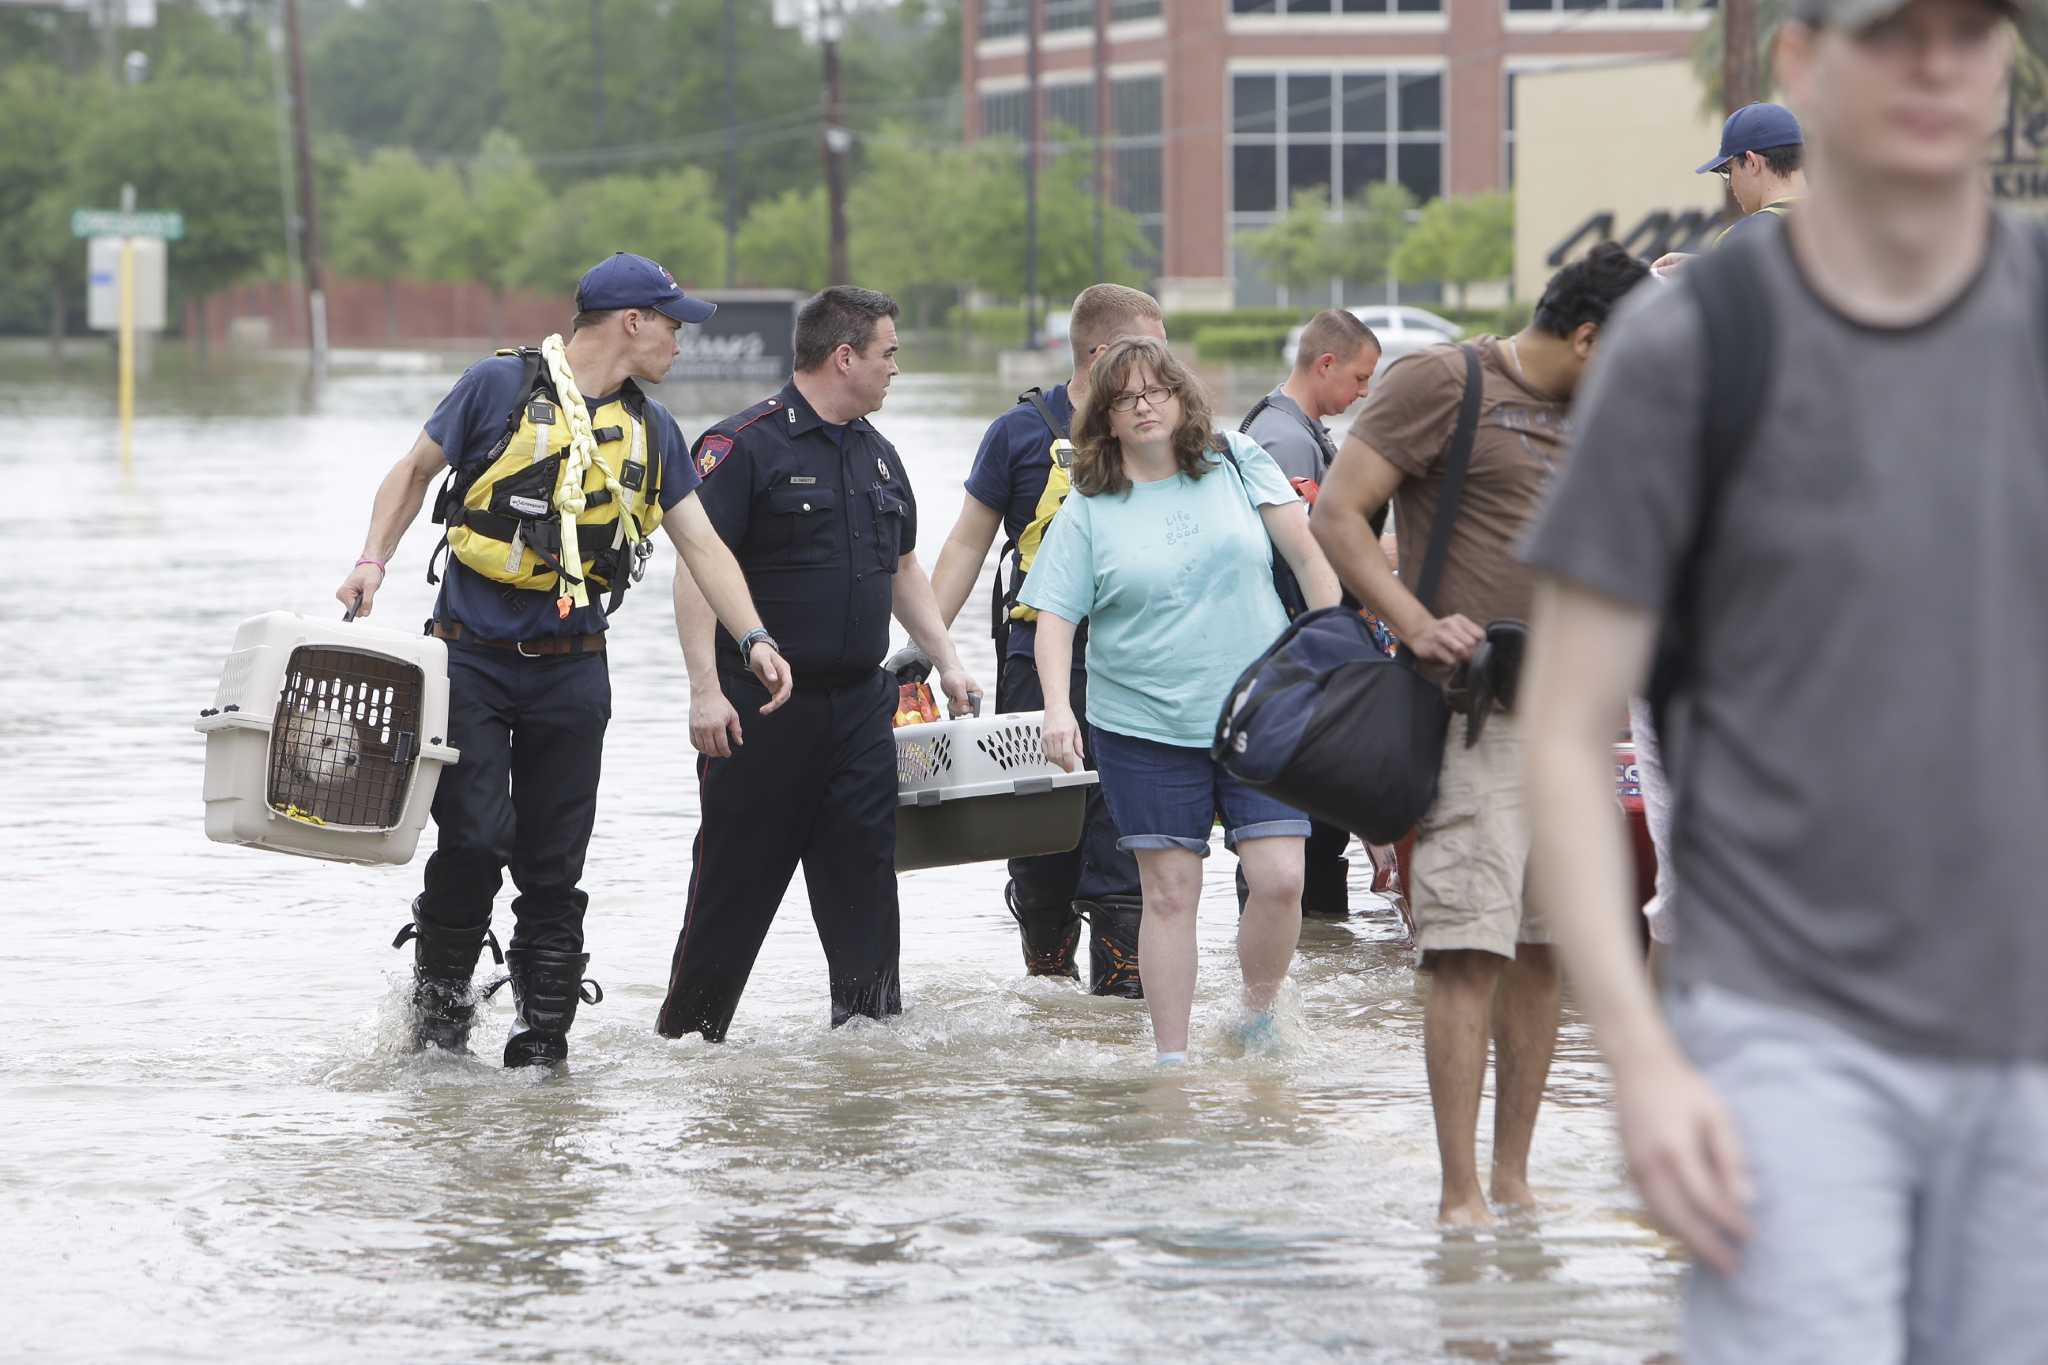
(1155,398)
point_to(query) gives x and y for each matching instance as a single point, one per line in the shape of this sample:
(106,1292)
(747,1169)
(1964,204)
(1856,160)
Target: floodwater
(211,1146)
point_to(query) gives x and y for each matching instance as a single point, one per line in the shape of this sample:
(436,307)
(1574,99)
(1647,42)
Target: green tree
(1460,241)
(481,235)
(400,73)
(908,217)
(41,108)
(1300,251)
(202,147)
(658,216)
(1369,234)
(994,226)
(376,221)
(782,241)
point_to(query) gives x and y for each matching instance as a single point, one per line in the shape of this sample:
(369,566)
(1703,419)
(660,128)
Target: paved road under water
(212,1148)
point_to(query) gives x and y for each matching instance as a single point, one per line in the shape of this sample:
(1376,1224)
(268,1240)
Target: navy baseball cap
(2030,15)
(1755,128)
(628,281)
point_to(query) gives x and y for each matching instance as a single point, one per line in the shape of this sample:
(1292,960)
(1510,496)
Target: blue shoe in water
(1257,1032)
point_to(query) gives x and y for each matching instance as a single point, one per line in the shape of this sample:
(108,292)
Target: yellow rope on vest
(569,499)
(569,496)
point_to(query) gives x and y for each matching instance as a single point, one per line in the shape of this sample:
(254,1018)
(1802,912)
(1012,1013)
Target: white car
(1402,330)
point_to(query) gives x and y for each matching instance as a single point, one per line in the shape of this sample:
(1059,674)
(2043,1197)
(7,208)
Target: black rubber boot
(1113,946)
(443,961)
(1051,934)
(1326,894)
(545,988)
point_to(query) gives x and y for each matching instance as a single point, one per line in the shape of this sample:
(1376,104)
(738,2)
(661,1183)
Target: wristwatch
(756,636)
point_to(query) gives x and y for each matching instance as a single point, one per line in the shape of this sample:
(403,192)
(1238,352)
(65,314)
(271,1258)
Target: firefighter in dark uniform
(816,504)
(542,446)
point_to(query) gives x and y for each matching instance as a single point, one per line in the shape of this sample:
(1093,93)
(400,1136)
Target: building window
(1123,11)
(1004,18)
(1342,131)
(1006,115)
(1339,132)
(1070,108)
(1137,158)
(1063,14)
(1626,6)
(1337,6)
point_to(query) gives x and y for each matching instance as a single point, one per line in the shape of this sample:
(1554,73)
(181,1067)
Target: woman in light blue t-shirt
(1166,549)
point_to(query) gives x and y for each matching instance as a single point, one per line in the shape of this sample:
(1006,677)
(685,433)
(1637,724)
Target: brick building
(1215,112)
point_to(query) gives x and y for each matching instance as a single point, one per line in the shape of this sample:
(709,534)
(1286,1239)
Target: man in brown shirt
(1491,966)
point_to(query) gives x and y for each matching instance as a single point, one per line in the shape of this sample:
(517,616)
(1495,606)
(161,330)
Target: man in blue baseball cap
(546,530)
(1762,159)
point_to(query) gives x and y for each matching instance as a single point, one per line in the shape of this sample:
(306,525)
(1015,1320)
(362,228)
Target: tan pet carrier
(326,739)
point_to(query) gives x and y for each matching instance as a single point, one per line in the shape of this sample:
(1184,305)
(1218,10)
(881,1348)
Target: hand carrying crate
(326,739)
(980,788)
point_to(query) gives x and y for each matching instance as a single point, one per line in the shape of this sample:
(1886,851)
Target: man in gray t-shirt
(1333,365)
(1845,1111)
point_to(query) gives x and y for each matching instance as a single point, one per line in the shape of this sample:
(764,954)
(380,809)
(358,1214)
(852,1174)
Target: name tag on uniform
(803,478)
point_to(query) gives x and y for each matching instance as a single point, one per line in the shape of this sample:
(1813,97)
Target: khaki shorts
(1472,849)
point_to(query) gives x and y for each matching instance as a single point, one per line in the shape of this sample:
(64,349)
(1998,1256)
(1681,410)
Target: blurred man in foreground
(1843,1107)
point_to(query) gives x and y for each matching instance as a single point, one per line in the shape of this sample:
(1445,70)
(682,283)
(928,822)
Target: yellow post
(127,354)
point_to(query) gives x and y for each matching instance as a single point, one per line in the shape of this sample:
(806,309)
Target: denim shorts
(1168,796)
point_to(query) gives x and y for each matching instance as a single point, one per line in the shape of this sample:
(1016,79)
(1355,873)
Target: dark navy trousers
(1096,867)
(524,794)
(813,785)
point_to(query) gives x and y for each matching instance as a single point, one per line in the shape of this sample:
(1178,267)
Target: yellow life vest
(507,524)
(1058,483)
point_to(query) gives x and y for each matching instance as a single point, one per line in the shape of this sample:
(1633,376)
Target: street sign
(103,283)
(113,223)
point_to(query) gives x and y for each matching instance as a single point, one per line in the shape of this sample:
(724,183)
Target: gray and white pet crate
(326,739)
(980,788)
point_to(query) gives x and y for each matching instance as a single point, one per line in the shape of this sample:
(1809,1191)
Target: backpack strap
(1035,396)
(1457,459)
(1739,339)
(1244,428)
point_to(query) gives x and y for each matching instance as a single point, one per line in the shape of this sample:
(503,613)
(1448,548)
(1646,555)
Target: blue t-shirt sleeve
(1263,479)
(471,417)
(679,476)
(1062,577)
(988,479)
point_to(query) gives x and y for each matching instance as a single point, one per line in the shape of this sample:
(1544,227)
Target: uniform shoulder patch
(711,452)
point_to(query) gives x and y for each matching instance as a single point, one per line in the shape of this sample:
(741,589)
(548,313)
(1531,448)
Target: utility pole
(597,67)
(309,223)
(836,143)
(732,155)
(1034,131)
(1102,118)
(1739,45)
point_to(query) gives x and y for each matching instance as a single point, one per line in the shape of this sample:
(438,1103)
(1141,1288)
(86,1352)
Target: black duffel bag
(1332,725)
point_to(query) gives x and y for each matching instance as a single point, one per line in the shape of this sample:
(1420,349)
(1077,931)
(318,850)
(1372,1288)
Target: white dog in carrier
(321,750)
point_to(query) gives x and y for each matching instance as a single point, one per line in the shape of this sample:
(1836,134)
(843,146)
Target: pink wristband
(378,562)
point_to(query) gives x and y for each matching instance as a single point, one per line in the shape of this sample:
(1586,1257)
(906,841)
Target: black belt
(546,646)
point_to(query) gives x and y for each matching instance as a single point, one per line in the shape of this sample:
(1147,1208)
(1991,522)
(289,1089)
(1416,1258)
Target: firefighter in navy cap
(559,470)
(815,503)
